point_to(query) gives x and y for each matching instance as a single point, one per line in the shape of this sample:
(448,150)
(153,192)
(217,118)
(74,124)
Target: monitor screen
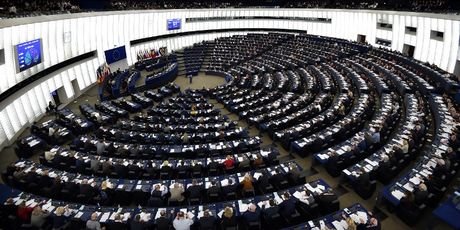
(174,24)
(29,54)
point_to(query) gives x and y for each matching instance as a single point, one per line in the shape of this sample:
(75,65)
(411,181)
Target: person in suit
(277,178)
(207,221)
(158,192)
(269,209)
(164,221)
(195,189)
(287,207)
(137,224)
(326,198)
(420,193)
(407,201)
(214,188)
(213,165)
(263,181)
(94,164)
(228,218)
(363,180)
(107,167)
(231,187)
(181,167)
(45,180)
(252,214)
(60,219)
(117,223)
(293,174)
(86,189)
(165,168)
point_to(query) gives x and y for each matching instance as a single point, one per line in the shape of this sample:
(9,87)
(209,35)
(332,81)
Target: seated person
(231,187)
(182,221)
(293,173)
(252,214)
(327,197)
(137,223)
(163,221)
(229,163)
(246,183)
(60,219)
(287,207)
(38,217)
(373,223)
(158,192)
(214,188)
(195,189)
(228,218)
(92,223)
(258,161)
(420,194)
(270,208)
(277,178)
(207,221)
(177,192)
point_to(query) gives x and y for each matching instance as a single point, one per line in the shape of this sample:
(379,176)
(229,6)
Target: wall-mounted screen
(174,24)
(28,54)
(115,54)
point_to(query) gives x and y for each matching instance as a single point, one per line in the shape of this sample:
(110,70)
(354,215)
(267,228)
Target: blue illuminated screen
(174,24)
(29,54)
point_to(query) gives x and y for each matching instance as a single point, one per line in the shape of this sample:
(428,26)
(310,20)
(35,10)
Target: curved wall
(67,36)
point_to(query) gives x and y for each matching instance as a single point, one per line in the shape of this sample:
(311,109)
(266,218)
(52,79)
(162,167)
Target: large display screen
(29,54)
(115,55)
(174,24)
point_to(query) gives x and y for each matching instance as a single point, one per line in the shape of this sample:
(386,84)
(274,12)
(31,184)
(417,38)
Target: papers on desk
(220,213)
(277,198)
(408,187)
(145,216)
(48,207)
(358,216)
(104,217)
(415,180)
(397,194)
(78,215)
(243,206)
(224,182)
(257,175)
(339,225)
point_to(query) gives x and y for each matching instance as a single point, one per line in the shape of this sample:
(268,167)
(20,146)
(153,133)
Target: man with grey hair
(92,223)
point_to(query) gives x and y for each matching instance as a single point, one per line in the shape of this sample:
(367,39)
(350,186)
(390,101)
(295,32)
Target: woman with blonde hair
(60,221)
(247,182)
(38,217)
(228,219)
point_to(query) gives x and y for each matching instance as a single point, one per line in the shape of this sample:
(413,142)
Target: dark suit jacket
(163,223)
(229,188)
(194,191)
(207,222)
(135,225)
(214,189)
(287,207)
(269,212)
(251,216)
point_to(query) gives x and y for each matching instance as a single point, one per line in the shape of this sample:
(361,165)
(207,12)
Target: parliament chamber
(230,118)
